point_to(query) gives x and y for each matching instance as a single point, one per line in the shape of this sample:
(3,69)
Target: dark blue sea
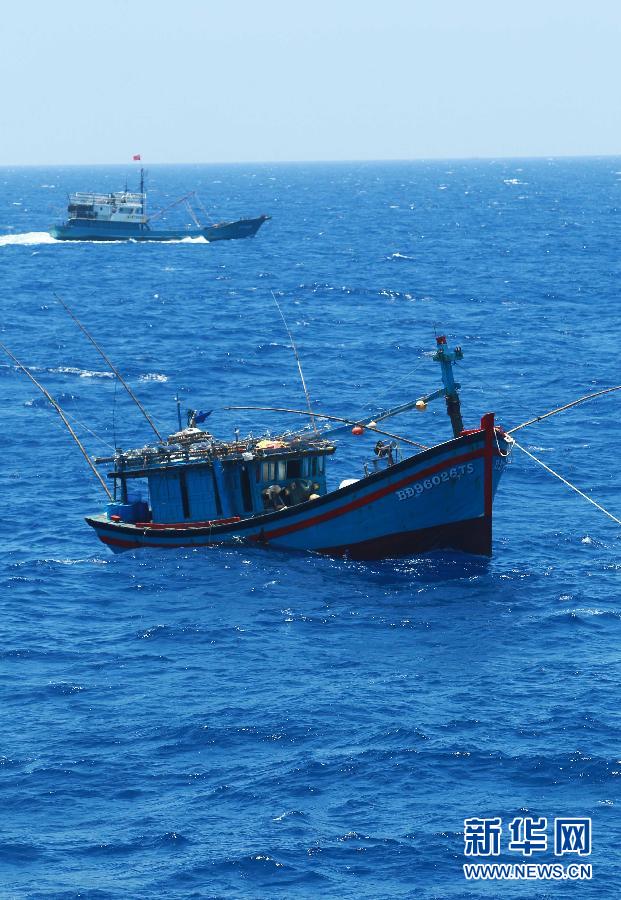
(240,723)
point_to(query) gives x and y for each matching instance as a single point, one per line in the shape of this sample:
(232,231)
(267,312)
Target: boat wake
(28,239)
(33,238)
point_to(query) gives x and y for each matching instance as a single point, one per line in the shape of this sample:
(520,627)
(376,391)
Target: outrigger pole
(62,416)
(114,369)
(297,359)
(186,197)
(559,409)
(356,423)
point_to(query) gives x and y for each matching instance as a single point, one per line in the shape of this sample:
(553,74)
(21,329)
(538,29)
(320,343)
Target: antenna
(297,359)
(114,369)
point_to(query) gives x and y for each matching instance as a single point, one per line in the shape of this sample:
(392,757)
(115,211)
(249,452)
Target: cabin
(207,481)
(122,206)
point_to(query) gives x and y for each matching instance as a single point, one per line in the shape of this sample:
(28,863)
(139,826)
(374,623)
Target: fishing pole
(297,359)
(62,415)
(355,423)
(559,409)
(114,369)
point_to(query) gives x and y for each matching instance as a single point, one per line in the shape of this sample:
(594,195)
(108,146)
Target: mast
(453,405)
(450,388)
(142,198)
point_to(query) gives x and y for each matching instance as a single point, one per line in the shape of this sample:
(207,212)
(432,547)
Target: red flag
(136,156)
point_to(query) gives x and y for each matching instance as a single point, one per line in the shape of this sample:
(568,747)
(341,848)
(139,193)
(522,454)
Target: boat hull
(86,230)
(439,499)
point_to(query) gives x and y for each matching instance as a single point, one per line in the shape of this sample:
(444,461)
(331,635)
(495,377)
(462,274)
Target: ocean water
(240,723)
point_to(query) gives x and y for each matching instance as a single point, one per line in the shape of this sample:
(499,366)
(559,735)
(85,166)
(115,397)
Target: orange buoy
(357,430)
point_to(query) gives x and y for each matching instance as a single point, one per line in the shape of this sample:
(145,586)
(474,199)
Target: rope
(564,480)
(90,430)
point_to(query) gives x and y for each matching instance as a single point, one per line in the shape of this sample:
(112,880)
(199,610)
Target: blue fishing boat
(122,216)
(196,491)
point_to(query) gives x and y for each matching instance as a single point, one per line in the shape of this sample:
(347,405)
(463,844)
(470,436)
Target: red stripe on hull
(372,497)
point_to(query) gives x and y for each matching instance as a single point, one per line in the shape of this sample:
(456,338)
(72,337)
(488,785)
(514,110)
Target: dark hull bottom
(472,536)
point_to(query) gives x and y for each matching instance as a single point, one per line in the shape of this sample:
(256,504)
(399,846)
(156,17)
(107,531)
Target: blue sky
(95,81)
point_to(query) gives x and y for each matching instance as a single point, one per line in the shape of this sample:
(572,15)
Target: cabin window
(317,465)
(281,470)
(268,470)
(294,468)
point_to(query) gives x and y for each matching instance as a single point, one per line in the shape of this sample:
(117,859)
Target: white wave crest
(83,373)
(153,376)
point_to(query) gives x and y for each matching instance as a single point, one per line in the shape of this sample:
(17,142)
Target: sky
(199,81)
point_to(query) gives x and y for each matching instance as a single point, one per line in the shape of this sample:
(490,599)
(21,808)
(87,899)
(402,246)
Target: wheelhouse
(194,479)
(122,206)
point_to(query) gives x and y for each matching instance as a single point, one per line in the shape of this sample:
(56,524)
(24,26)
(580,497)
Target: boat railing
(85,198)
(158,457)
(387,454)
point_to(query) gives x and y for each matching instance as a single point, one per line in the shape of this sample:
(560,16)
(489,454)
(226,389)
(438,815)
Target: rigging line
(114,369)
(86,428)
(362,423)
(192,214)
(60,412)
(297,359)
(559,409)
(391,387)
(198,200)
(564,480)
(160,212)
(90,430)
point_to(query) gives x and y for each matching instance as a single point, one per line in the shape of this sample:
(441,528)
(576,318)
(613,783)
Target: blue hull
(87,230)
(439,499)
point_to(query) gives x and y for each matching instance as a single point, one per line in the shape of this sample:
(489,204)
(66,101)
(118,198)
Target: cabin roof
(193,447)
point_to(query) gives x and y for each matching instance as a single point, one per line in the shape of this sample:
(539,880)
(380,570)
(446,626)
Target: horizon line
(289,162)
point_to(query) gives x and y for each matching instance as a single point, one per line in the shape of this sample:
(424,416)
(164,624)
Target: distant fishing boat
(123,216)
(273,492)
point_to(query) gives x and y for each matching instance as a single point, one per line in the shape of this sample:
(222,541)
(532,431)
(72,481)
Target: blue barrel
(136,511)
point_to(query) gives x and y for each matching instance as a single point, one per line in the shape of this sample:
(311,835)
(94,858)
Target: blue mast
(450,388)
